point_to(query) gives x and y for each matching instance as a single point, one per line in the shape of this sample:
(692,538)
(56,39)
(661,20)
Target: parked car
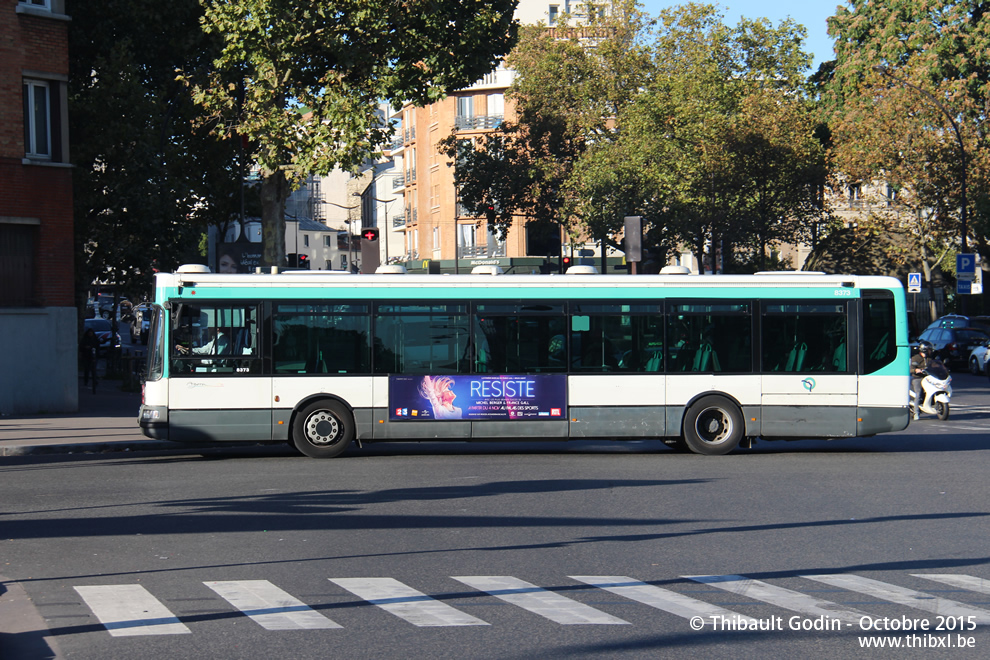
(979,360)
(960,321)
(955,344)
(102,306)
(140,323)
(104,332)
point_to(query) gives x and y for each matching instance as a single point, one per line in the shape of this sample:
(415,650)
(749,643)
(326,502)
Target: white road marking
(406,603)
(269,606)
(902,596)
(129,610)
(540,601)
(660,598)
(969,582)
(786,598)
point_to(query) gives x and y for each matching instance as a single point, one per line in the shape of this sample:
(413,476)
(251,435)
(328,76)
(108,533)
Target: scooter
(937,388)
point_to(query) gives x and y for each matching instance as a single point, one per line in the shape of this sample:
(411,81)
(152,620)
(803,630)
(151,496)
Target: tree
(300,82)
(146,182)
(723,135)
(570,84)
(904,73)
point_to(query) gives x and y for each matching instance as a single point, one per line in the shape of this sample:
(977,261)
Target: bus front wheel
(713,425)
(323,429)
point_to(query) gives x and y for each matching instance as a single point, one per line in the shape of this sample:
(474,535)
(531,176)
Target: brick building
(38,317)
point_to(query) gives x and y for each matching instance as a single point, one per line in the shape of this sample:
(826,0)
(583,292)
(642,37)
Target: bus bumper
(154,421)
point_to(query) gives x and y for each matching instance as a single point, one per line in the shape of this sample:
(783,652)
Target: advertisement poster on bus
(478,397)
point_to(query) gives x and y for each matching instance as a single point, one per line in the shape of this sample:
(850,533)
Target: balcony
(485,122)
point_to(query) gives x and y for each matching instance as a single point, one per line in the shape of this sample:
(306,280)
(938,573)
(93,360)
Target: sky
(812,14)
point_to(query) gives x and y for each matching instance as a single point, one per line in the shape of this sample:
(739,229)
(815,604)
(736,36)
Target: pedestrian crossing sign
(914,282)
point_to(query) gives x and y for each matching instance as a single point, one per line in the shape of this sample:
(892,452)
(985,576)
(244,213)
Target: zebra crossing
(131,610)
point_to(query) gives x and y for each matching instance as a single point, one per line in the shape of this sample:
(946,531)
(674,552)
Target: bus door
(809,379)
(216,387)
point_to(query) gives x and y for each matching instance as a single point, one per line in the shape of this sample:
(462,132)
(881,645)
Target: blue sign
(966,266)
(477,397)
(914,282)
(964,287)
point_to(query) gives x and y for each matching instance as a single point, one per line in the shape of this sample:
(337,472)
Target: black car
(954,344)
(104,332)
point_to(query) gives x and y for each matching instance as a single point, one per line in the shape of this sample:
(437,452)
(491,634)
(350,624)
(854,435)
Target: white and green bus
(325,360)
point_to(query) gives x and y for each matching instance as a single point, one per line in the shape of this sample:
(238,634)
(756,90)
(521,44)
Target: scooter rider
(919,364)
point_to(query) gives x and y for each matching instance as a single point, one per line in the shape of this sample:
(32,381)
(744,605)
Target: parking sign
(914,282)
(966,266)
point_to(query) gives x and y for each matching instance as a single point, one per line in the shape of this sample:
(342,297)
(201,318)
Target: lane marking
(129,610)
(661,599)
(902,596)
(980,585)
(269,606)
(406,603)
(538,600)
(786,598)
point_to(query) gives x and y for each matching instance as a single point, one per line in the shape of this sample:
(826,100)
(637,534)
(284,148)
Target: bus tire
(323,429)
(713,425)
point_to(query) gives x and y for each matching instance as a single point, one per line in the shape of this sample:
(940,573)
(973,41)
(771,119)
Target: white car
(979,360)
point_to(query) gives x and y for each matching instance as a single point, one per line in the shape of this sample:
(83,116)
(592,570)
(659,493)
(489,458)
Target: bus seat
(705,359)
(839,357)
(880,352)
(795,359)
(654,361)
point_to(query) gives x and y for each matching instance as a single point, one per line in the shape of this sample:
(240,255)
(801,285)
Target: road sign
(914,282)
(964,287)
(966,266)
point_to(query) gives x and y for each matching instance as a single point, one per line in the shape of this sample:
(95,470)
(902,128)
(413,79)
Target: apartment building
(433,228)
(38,319)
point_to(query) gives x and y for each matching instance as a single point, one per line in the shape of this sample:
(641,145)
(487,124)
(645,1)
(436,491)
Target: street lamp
(350,234)
(962,149)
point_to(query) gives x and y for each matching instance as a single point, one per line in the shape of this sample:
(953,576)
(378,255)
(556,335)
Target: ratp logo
(809,383)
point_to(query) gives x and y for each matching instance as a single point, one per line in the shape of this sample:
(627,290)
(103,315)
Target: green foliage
(898,127)
(144,176)
(702,129)
(337,59)
(566,94)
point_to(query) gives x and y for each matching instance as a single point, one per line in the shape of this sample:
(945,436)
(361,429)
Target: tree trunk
(274,193)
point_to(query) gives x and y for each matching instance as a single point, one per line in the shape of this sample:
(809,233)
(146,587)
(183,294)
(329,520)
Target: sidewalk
(106,421)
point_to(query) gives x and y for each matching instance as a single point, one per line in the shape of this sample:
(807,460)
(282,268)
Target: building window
(553,13)
(41,4)
(326,243)
(305,240)
(37,119)
(18,242)
(465,107)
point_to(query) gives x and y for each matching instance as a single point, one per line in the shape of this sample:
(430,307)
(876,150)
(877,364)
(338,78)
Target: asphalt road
(590,549)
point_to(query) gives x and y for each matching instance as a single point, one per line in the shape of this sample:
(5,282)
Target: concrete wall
(39,360)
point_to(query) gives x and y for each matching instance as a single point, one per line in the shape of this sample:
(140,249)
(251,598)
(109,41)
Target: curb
(91,448)
(124,446)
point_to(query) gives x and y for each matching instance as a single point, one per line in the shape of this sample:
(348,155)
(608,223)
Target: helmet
(926,348)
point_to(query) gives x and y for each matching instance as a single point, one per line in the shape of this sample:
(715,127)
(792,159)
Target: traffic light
(565,263)
(370,258)
(302,261)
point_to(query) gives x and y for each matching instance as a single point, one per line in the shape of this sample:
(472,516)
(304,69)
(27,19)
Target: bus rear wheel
(323,429)
(713,425)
